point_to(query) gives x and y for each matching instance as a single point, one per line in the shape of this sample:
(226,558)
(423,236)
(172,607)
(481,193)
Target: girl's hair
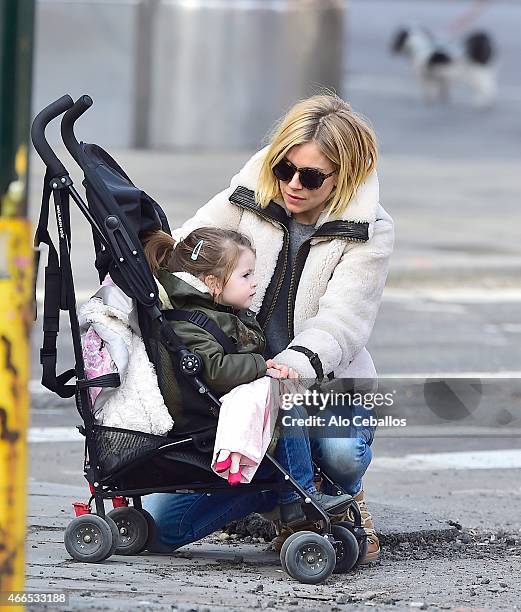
(157,246)
(342,135)
(218,255)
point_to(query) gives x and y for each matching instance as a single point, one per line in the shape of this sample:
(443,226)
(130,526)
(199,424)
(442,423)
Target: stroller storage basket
(116,448)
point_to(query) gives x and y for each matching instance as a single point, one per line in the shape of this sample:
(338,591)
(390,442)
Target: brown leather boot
(373,544)
(284,531)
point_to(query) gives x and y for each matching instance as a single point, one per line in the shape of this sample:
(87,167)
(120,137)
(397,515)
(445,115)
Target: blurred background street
(450,178)
(448,175)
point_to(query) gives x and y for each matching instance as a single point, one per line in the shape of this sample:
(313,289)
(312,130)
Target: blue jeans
(293,452)
(344,459)
(182,518)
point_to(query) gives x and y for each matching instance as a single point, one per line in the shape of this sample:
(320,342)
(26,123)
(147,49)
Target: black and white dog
(438,66)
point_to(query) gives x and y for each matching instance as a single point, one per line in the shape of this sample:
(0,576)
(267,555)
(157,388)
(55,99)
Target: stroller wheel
(115,536)
(151,527)
(360,538)
(88,538)
(132,530)
(347,551)
(284,548)
(309,557)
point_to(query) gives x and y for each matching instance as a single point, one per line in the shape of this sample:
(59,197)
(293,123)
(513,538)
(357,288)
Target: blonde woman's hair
(218,256)
(342,135)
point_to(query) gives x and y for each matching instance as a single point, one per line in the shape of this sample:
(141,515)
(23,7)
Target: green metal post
(16,56)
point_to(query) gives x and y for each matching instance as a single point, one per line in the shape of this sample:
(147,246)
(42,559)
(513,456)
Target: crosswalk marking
(53,434)
(469,295)
(464,460)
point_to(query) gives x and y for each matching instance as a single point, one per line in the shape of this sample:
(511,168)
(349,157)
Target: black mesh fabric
(118,447)
(130,459)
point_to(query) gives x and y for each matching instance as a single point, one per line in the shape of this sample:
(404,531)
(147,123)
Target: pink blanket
(246,422)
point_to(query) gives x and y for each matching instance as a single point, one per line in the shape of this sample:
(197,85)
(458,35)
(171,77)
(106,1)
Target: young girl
(212,271)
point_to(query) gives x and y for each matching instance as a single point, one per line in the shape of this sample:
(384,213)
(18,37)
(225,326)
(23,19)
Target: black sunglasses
(310,178)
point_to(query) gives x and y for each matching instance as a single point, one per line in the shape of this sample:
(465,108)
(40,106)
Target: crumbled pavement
(428,564)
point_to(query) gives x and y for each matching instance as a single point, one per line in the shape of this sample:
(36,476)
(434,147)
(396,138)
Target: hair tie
(196,250)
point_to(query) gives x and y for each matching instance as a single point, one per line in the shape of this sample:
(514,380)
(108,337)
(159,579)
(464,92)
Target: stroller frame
(112,231)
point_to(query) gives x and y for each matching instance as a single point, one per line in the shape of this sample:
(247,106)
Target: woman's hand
(280,370)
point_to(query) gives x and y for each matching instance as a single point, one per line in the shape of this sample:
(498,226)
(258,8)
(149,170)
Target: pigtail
(158,247)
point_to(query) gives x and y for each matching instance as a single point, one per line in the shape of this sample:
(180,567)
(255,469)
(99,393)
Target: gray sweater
(276,331)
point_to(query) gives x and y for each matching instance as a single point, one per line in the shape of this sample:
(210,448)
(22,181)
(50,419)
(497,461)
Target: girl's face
(306,205)
(241,286)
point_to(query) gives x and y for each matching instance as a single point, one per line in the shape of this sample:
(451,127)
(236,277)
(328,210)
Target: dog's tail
(479,48)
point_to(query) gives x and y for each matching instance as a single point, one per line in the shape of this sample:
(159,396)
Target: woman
(309,202)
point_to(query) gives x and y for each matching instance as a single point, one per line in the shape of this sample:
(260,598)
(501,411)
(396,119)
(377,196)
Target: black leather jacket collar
(350,230)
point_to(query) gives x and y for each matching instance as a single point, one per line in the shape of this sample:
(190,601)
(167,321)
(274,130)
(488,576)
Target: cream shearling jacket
(342,279)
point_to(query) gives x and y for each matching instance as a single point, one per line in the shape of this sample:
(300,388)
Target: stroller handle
(67,126)
(45,116)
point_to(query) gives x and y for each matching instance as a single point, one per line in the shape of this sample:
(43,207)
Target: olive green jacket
(221,372)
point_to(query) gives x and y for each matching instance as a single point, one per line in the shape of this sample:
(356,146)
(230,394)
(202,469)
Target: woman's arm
(219,211)
(347,310)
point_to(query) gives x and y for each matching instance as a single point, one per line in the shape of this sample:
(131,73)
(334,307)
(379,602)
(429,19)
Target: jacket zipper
(280,279)
(291,297)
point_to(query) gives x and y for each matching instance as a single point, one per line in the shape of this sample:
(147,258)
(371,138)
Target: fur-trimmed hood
(190,287)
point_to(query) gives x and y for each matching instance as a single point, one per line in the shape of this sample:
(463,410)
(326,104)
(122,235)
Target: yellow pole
(16,282)
(16,273)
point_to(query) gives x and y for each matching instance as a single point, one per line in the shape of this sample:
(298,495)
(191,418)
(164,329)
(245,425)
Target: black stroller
(122,464)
